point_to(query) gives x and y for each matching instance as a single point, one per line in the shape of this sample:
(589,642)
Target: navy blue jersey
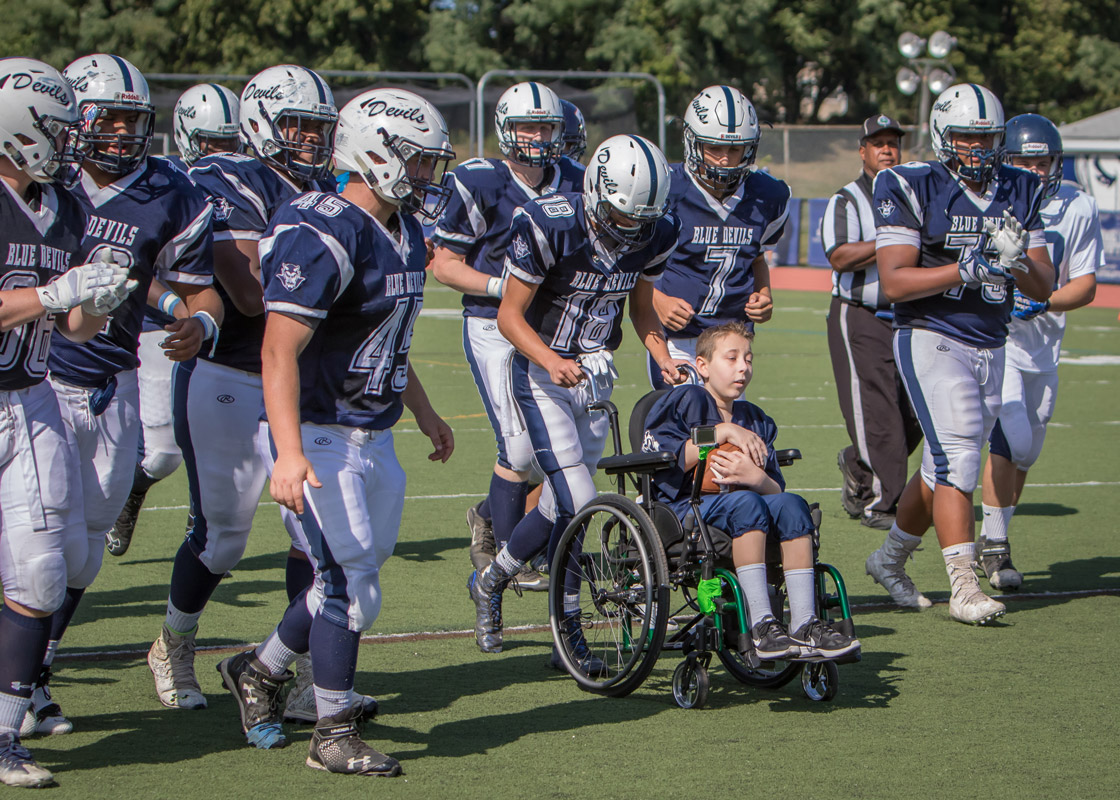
(326,259)
(669,427)
(39,244)
(476,223)
(925,206)
(156,221)
(712,268)
(581,286)
(245,192)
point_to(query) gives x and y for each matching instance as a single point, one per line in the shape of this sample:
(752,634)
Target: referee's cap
(880,122)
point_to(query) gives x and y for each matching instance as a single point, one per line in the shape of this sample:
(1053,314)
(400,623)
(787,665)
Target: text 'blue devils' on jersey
(157,222)
(712,267)
(581,286)
(245,193)
(476,223)
(327,259)
(669,427)
(924,205)
(38,245)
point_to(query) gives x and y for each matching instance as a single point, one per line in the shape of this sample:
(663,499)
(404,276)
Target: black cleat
(258,697)
(337,746)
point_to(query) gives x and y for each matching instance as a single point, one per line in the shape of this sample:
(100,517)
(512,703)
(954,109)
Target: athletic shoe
(18,768)
(119,537)
(171,660)
(819,641)
(886,566)
(587,662)
(486,587)
(258,697)
(771,642)
(44,716)
(531,580)
(301,699)
(483,549)
(994,558)
(879,520)
(850,490)
(967,603)
(336,746)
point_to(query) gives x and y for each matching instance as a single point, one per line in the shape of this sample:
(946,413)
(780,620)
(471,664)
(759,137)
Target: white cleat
(171,660)
(18,768)
(44,716)
(887,568)
(967,603)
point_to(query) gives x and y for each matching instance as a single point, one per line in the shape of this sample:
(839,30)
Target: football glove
(1009,241)
(1025,308)
(600,371)
(97,285)
(975,270)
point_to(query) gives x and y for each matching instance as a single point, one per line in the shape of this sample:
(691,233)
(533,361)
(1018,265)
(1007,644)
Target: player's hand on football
(738,469)
(675,371)
(441,435)
(288,476)
(673,312)
(185,339)
(747,441)
(1009,240)
(759,307)
(565,372)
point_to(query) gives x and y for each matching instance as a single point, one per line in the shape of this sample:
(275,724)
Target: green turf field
(936,709)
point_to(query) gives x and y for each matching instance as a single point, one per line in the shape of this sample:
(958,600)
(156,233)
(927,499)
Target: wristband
(168,302)
(209,325)
(494,287)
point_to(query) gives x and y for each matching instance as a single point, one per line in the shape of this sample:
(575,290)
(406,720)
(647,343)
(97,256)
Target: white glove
(600,371)
(107,299)
(1010,241)
(85,283)
(975,270)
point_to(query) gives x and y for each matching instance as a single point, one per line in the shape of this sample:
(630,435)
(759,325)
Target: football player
(574,140)
(728,213)
(343,285)
(472,240)
(205,123)
(41,525)
(287,116)
(573,261)
(953,238)
(1034,341)
(146,215)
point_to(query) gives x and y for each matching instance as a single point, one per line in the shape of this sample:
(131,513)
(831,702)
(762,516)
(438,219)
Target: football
(709,486)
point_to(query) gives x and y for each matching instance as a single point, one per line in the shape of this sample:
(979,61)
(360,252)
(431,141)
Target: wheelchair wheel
(691,684)
(820,680)
(613,549)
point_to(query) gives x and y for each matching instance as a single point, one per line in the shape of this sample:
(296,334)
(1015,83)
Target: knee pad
(519,452)
(364,592)
(964,469)
(81,576)
(223,550)
(47,588)
(159,464)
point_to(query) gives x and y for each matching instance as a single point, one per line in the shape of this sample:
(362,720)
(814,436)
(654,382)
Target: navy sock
(298,575)
(484,507)
(294,629)
(191,582)
(334,654)
(507,507)
(23,643)
(530,536)
(60,620)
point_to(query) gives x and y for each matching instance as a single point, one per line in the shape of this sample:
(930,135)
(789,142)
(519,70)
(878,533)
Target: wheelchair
(629,556)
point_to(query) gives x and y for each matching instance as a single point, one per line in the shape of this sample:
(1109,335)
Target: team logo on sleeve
(886,208)
(520,247)
(291,276)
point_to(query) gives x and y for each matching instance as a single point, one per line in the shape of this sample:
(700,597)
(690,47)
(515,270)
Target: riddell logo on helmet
(253,92)
(129,97)
(24,80)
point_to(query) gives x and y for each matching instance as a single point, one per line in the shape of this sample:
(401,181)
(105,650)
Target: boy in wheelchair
(751,504)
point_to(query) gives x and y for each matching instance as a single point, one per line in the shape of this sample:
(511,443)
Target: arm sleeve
(461,223)
(189,256)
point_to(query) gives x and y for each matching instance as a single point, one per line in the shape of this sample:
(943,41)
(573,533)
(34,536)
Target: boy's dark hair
(706,344)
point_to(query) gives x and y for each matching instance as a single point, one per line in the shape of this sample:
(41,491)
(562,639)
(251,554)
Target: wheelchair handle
(611,410)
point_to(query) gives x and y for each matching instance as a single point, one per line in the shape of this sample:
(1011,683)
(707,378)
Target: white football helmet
(206,121)
(282,105)
(529,102)
(574,142)
(626,191)
(720,115)
(398,143)
(38,115)
(970,108)
(105,83)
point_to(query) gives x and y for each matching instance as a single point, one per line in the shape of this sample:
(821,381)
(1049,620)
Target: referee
(880,422)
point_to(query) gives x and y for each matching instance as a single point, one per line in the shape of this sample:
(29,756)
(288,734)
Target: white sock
(752,580)
(571,603)
(996,520)
(12,710)
(509,564)
(900,535)
(275,655)
(962,550)
(180,622)
(802,597)
(331,702)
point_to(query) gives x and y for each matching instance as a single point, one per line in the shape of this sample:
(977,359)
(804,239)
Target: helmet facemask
(420,194)
(95,144)
(533,153)
(285,146)
(61,137)
(725,179)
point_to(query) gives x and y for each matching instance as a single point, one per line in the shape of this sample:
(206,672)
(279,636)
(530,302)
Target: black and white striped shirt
(848,219)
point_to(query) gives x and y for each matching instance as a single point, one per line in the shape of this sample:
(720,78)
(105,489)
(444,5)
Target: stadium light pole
(927,75)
